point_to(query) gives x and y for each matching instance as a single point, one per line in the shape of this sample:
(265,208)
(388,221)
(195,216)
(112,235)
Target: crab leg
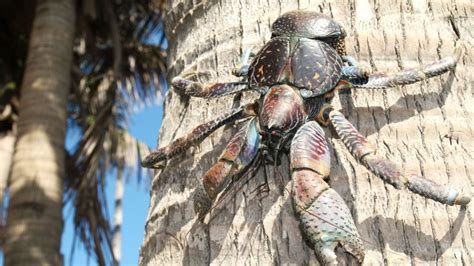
(237,155)
(361,149)
(196,135)
(208,90)
(404,77)
(324,216)
(355,72)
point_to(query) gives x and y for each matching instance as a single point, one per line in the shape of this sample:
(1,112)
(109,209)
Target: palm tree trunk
(34,223)
(425,128)
(6,152)
(118,213)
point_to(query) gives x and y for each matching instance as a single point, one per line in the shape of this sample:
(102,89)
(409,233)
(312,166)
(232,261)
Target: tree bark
(426,128)
(118,213)
(34,223)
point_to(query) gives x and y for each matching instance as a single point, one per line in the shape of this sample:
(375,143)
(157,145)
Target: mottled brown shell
(307,24)
(311,65)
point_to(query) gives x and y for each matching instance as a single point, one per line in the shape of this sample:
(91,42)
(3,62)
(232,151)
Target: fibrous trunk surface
(34,223)
(425,128)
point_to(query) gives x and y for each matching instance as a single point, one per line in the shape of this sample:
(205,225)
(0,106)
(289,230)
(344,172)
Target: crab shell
(302,53)
(308,24)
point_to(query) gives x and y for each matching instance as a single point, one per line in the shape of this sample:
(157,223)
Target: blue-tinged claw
(328,223)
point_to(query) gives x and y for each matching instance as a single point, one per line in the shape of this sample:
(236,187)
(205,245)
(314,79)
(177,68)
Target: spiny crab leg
(237,155)
(196,135)
(404,77)
(355,72)
(354,69)
(324,216)
(207,90)
(361,149)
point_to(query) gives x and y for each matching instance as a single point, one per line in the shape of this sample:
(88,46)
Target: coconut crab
(297,73)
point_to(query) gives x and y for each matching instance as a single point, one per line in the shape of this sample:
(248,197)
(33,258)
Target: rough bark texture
(118,216)
(34,223)
(425,128)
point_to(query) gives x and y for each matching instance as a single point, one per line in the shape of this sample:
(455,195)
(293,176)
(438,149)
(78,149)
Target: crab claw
(181,84)
(324,216)
(328,223)
(186,80)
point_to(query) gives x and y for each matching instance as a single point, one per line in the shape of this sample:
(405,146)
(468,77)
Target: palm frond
(108,87)
(94,157)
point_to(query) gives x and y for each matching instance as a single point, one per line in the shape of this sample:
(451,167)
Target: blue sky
(144,125)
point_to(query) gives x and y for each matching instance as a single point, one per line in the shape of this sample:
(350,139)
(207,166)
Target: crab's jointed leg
(237,155)
(207,90)
(354,70)
(404,77)
(361,149)
(324,216)
(196,135)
